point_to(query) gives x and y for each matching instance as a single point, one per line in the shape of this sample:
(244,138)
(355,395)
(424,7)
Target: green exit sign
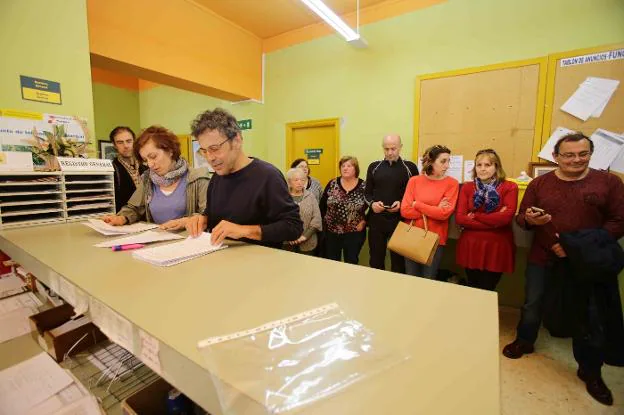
(244,124)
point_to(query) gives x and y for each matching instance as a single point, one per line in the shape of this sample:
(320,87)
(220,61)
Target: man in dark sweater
(128,169)
(248,198)
(571,198)
(385,185)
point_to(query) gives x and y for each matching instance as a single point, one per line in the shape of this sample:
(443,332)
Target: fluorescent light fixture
(332,19)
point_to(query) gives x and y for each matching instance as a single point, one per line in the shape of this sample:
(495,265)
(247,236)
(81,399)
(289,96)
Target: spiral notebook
(172,254)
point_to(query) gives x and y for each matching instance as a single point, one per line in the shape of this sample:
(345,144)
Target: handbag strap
(425,222)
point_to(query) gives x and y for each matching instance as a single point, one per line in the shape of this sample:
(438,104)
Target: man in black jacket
(128,169)
(385,185)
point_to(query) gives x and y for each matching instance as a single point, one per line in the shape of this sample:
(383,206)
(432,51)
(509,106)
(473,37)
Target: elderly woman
(343,206)
(311,184)
(308,210)
(169,192)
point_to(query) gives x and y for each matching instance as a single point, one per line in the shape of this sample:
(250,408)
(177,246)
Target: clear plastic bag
(281,366)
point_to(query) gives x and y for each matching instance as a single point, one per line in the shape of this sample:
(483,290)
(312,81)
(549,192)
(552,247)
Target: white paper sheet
(117,328)
(468,166)
(29,383)
(149,351)
(85,406)
(142,238)
(456,168)
(607,146)
(11,284)
(106,229)
(590,98)
(26,300)
(178,252)
(52,405)
(15,323)
(549,147)
(618,164)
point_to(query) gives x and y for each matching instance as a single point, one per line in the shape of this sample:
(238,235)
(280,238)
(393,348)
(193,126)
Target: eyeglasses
(572,156)
(213,148)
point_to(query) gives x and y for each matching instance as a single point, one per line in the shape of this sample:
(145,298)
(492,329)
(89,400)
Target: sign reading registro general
(42,90)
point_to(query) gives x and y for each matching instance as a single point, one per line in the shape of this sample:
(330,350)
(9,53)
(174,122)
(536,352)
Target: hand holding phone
(537,210)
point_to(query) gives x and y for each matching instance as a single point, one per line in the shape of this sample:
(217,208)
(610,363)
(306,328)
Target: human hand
(196,224)
(115,220)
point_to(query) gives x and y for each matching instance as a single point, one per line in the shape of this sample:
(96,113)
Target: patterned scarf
(132,169)
(486,194)
(179,169)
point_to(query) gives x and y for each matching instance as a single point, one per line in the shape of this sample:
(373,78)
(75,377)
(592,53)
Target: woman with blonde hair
(308,211)
(485,211)
(343,206)
(433,195)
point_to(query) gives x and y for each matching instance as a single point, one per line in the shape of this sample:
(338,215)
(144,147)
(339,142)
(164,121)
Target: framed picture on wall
(539,169)
(107,149)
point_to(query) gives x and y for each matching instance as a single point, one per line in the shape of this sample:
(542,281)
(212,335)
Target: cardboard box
(57,343)
(151,400)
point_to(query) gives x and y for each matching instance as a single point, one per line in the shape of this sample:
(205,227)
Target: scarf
(179,169)
(486,194)
(132,169)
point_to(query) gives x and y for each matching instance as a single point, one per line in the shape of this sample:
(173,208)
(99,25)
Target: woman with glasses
(312,185)
(169,192)
(485,210)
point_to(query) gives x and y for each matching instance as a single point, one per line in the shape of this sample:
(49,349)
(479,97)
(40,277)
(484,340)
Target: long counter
(450,332)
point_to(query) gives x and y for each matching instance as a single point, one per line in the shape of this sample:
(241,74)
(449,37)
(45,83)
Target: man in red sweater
(571,198)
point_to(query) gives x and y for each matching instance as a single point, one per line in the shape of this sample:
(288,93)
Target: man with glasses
(571,198)
(248,198)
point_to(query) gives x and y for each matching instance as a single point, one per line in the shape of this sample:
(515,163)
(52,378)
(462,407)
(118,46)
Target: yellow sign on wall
(42,90)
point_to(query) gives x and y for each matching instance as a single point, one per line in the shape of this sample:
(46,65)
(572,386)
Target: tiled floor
(545,382)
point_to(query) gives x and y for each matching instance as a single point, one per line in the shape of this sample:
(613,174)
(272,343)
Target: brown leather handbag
(414,243)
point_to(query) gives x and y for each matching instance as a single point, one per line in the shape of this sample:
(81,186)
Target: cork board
(567,80)
(496,108)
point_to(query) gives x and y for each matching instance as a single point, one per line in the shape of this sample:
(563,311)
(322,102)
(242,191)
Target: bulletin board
(564,80)
(496,106)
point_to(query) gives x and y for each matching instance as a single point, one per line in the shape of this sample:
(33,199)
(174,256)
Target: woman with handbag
(343,207)
(428,203)
(485,211)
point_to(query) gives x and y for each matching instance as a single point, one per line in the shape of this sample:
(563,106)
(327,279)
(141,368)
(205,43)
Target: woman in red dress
(485,210)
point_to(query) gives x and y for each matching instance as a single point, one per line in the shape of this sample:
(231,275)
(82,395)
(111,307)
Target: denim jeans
(425,271)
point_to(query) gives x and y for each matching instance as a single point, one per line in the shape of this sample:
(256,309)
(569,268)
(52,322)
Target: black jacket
(124,186)
(594,260)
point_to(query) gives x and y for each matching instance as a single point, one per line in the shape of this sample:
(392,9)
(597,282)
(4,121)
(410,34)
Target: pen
(127,247)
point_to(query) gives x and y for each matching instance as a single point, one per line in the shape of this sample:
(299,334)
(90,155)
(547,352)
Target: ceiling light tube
(332,19)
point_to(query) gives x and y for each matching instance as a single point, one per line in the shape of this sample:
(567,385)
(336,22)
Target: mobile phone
(537,210)
(387,206)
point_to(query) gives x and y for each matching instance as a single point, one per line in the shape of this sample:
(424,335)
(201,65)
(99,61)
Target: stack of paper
(178,252)
(31,383)
(14,313)
(10,285)
(142,238)
(74,400)
(108,230)
(591,98)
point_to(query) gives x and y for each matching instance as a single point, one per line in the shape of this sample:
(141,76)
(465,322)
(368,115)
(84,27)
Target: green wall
(175,109)
(49,40)
(113,107)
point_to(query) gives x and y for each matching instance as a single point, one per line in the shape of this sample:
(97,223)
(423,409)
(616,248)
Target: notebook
(172,254)
(108,230)
(141,238)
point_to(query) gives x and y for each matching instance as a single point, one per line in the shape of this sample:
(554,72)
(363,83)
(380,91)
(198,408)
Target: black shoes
(596,387)
(517,349)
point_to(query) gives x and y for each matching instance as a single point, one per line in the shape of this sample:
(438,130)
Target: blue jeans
(425,271)
(588,345)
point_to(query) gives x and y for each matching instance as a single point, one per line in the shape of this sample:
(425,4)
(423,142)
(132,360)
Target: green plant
(56,143)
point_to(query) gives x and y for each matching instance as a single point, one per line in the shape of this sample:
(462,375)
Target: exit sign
(244,124)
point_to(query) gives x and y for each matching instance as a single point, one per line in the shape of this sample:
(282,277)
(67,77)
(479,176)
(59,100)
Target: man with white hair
(385,185)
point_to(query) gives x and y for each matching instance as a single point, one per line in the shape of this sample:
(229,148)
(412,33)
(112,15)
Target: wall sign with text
(42,90)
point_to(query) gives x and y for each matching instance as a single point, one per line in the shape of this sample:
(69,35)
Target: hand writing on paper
(396,206)
(377,207)
(115,220)
(196,224)
(174,224)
